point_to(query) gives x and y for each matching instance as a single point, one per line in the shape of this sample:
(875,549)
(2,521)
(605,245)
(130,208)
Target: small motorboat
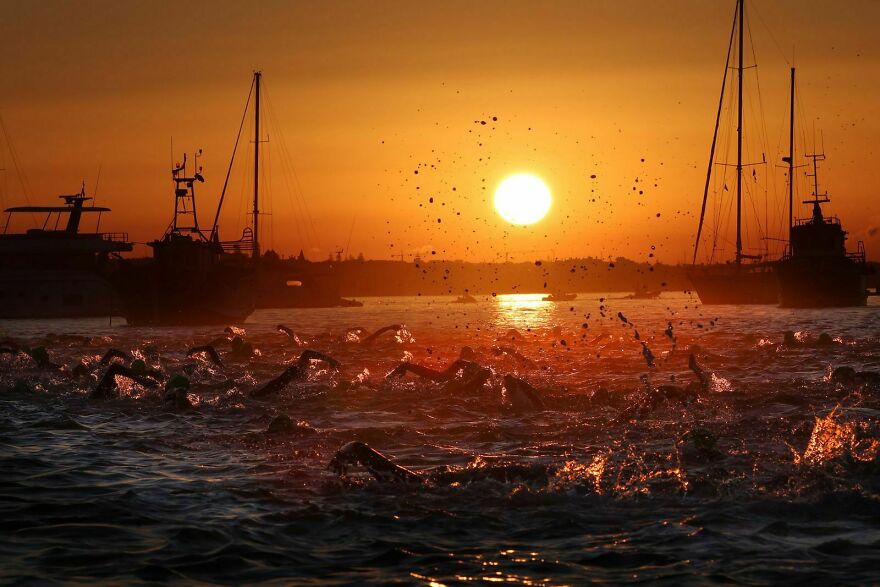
(559,297)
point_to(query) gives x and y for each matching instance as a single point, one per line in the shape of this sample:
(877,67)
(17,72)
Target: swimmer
(40,356)
(107,388)
(522,359)
(114,354)
(241,348)
(521,395)
(789,338)
(392,328)
(209,351)
(460,376)
(385,471)
(378,465)
(294,372)
(703,375)
(847,374)
(290,334)
(176,396)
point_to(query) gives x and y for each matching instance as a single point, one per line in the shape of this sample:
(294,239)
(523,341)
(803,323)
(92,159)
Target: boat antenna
(231,161)
(739,136)
(715,137)
(95,199)
(350,232)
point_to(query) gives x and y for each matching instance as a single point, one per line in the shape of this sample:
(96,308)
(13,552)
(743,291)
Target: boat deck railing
(859,256)
(236,247)
(828,220)
(114,237)
(243,245)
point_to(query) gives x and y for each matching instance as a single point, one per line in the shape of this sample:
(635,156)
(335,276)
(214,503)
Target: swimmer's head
(177,382)
(40,355)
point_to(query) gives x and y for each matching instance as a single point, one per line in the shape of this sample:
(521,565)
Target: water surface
(770,476)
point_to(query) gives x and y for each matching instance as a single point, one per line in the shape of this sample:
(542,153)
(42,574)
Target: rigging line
(25,187)
(718,202)
(714,139)
(232,160)
(272,118)
(763,139)
(308,219)
(297,200)
(754,9)
(296,211)
(244,194)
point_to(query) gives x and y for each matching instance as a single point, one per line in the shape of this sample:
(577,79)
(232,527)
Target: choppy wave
(768,473)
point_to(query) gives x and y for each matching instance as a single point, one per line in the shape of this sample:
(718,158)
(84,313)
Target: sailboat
(817,271)
(194,278)
(746,279)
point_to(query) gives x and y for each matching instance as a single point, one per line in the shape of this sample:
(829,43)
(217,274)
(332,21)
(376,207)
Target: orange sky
(363,94)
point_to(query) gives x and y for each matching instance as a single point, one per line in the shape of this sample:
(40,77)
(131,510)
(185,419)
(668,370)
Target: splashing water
(617,480)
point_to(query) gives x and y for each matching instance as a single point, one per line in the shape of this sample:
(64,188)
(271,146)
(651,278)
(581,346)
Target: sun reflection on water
(523,311)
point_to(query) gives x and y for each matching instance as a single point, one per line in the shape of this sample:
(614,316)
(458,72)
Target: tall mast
(255,251)
(739,137)
(791,161)
(715,138)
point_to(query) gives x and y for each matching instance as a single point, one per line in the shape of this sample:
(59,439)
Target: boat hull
(729,284)
(56,294)
(217,298)
(822,283)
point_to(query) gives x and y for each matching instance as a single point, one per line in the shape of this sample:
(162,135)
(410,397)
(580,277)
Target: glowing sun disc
(522,199)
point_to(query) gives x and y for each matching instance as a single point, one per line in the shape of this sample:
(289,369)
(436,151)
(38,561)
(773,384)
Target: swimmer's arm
(381,331)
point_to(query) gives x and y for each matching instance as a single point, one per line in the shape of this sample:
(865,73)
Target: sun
(522,199)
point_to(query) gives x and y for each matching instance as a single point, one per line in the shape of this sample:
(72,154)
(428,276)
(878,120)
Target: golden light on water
(522,311)
(522,199)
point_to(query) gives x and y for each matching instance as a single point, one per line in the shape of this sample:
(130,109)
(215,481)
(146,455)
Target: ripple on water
(770,476)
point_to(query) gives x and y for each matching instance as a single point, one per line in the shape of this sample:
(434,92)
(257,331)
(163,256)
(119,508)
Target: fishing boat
(56,270)
(747,278)
(817,271)
(194,278)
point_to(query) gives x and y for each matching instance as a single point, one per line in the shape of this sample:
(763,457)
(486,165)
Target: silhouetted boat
(559,297)
(643,294)
(465,299)
(58,273)
(187,281)
(746,279)
(194,278)
(817,271)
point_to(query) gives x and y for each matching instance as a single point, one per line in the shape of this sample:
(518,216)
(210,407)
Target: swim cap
(177,382)
(40,354)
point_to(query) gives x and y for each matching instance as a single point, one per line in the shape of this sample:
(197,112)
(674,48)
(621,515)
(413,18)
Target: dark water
(771,476)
